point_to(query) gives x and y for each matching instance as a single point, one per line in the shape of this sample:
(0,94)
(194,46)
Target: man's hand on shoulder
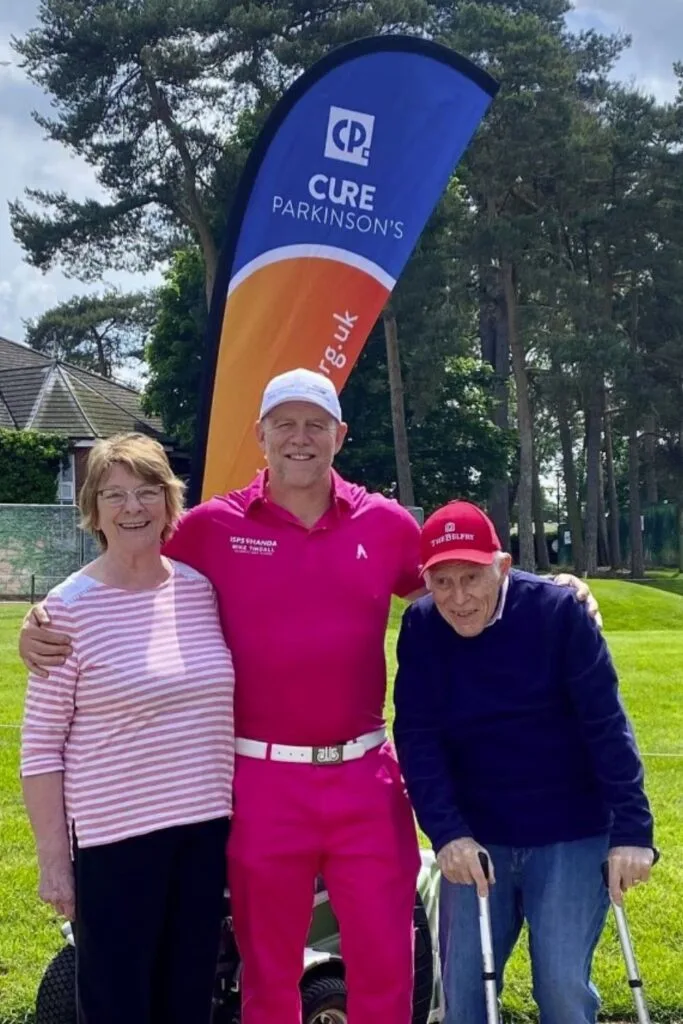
(628,866)
(41,648)
(459,862)
(583,593)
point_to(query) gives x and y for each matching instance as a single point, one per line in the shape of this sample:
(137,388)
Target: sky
(27,160)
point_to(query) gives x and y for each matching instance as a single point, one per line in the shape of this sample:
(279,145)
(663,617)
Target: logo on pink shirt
(252,546)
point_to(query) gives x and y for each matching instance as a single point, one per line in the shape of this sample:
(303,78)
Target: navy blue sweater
(517,736)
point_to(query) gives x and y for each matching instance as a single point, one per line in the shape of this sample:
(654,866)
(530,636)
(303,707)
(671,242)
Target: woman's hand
(56,885)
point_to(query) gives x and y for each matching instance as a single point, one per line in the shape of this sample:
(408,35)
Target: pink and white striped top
(140,717)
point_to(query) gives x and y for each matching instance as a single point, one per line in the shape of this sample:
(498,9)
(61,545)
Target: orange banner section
(304,322)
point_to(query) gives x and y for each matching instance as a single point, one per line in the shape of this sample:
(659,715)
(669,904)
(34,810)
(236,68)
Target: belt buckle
(328,755)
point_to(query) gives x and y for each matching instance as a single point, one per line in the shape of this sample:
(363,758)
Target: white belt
(328,755)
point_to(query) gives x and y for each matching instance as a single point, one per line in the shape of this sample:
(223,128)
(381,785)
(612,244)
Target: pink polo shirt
(304,611)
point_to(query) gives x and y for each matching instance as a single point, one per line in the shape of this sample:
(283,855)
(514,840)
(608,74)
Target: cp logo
(349,136)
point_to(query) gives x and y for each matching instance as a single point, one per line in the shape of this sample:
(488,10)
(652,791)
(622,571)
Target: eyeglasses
(117,496)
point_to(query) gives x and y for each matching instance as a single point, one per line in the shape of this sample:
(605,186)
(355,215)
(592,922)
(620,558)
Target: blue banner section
(361,160)
(332,201)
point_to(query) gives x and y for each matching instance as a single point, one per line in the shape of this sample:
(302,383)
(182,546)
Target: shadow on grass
(668,580)
(671,583)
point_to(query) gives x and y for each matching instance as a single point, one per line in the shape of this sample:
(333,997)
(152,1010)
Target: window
(66,481)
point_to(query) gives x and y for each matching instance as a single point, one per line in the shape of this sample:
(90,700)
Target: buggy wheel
(56,999)
(314,994)
(423,990)
(324,1001)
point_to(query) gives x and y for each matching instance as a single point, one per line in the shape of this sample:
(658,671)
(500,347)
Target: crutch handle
(485,866)
(605,865)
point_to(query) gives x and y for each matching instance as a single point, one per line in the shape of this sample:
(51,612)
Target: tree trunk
(541,547)
(102,365)
(603,540)
(542,557)
(612,499)
(210,254)
(525,426)
(569,473)
(398,413)
(680,499)
(649,459)
(637,555)
(495,350)
(192,211)
(593,438)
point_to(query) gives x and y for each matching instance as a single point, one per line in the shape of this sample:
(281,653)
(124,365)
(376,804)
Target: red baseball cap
(458,532)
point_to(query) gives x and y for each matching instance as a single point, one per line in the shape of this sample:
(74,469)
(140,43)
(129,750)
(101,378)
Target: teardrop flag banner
(332,201)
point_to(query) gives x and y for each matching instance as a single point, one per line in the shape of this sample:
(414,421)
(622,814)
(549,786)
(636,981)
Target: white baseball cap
(301,386)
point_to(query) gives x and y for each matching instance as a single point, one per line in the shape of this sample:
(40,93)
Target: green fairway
(644,627)
(666,580)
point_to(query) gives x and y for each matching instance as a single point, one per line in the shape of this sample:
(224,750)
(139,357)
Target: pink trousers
(353,824)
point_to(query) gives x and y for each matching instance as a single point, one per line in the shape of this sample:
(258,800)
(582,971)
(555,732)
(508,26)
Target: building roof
(41,393)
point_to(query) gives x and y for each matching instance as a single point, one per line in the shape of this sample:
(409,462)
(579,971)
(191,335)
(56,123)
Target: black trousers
(147,928)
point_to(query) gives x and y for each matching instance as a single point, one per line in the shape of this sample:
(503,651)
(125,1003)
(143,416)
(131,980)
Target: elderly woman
(127,754)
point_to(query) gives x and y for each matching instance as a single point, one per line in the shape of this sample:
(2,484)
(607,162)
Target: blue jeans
(559,890)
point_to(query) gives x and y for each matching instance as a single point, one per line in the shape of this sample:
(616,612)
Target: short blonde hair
(143,457)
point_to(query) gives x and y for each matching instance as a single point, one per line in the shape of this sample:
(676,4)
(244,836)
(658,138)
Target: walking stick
(489,968)
(632,972)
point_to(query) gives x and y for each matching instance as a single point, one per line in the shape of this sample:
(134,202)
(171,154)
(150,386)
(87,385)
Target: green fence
(39,546)
(660,537)
(42,544)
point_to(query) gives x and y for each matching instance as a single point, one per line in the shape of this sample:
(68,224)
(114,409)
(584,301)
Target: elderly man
(305,565)
(512,739)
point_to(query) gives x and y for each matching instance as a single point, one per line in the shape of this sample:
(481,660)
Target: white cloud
(28,160)
(656,30)
(24,295)
(9,70)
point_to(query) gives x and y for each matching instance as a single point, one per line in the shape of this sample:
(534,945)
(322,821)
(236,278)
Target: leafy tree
(613,234)
(511,172)
(555,256)
(425,323)
(99,333)
(149,94)
(29,466)
(455,448)
(175,350)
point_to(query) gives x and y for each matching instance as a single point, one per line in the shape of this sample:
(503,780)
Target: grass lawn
(644,626)
(666,579)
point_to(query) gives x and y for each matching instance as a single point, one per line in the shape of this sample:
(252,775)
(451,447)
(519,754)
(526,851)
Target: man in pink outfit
(305,566)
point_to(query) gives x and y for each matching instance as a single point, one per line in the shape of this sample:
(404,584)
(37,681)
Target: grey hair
(498,560)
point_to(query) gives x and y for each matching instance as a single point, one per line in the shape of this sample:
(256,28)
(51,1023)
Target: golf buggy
(323,989)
